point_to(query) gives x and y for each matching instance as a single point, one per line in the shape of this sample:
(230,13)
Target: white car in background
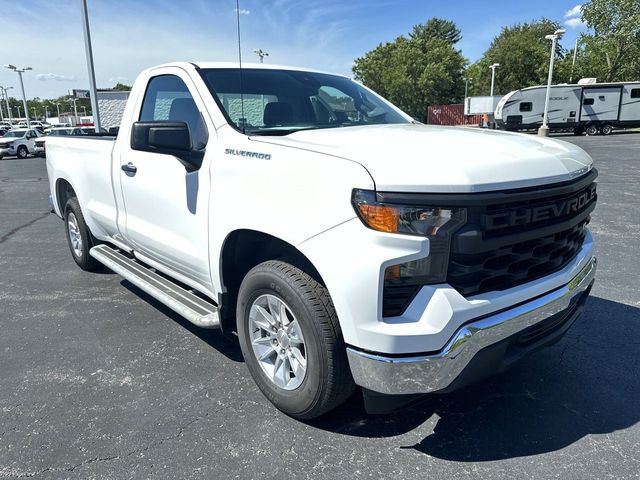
(19,142)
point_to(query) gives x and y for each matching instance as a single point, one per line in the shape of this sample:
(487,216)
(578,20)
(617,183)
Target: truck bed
(86,163)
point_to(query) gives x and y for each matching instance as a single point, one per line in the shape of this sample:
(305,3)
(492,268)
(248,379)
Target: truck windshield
(279,102)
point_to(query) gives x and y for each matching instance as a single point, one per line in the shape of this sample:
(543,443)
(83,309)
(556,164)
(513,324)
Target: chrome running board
(182,301)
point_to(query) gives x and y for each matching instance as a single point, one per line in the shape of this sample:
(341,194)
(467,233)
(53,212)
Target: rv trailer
(591,108)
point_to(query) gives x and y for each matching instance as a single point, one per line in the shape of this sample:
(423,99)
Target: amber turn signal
(379,217)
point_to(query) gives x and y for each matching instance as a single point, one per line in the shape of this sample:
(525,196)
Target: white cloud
(43,77)
(574,12)
(118,79)
(574,22)
(242,11)
(573,17)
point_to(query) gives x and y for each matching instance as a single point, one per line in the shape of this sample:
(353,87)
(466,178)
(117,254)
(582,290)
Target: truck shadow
(225,344)
(586,384)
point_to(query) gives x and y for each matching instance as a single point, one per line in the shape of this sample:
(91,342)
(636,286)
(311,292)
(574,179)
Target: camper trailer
(584,108)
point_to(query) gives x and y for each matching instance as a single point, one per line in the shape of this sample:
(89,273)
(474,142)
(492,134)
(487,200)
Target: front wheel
(291,340)
(23,152)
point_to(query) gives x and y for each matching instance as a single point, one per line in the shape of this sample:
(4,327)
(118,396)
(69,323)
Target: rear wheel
(592,130)
(291,340)
(606,129)
(23,152)
(78,236)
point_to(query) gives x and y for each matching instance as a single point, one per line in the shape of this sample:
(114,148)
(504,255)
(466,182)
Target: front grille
(519,236)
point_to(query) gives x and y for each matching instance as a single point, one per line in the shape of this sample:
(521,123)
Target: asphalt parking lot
(100,381)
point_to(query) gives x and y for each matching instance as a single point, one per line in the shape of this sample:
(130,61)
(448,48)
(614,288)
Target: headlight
(437,223)
(428,221)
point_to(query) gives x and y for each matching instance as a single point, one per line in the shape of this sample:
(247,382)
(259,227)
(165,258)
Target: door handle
(130,169)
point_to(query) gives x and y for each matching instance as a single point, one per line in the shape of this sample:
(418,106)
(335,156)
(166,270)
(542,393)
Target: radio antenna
(242,119)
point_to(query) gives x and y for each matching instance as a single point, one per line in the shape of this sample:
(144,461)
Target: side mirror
(168,138)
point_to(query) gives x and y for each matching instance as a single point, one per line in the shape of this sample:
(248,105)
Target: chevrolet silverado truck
(19,142)
(341,241)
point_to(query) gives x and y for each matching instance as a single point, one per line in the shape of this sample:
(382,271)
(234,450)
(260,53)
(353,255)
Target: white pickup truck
(344,243)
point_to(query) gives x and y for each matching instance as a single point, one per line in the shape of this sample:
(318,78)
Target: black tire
(606,129)
(327,382)
(23,152)
(592,130)
(83,259)
(578,131)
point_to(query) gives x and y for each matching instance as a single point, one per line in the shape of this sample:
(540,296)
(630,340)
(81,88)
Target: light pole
(3,92)
(493,75)
(20,71)
(92,74)
(261,53)
(58,108)
(84,109)
(35,113)
(19,111)
(543,131)
(466,85)
(75,109)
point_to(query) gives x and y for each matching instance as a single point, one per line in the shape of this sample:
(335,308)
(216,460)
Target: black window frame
(588,101)
(634,93)
(529,109)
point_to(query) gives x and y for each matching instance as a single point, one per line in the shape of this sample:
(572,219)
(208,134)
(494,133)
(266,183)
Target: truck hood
(425,158)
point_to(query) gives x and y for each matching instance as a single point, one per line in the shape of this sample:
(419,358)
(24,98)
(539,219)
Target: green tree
(121,87)
(612,53)
(523,54)
(416,71)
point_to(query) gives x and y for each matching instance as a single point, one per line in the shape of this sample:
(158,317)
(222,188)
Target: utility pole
(58,107)
(20,71)
(261,53)
(35,113)
(92,75)
(573,64)
(543,131)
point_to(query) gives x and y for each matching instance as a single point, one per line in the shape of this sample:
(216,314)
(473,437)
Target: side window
(526,106)
(168,99)
(635,93)
(588,101)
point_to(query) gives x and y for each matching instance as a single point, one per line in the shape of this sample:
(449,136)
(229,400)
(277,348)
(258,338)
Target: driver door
(166,206)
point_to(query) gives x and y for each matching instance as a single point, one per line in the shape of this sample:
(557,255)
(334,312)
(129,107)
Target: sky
(130,35)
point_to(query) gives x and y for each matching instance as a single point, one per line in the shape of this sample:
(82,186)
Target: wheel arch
(242,250)
(64,191)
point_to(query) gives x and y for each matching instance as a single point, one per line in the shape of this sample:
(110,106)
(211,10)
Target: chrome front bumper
(435,372)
